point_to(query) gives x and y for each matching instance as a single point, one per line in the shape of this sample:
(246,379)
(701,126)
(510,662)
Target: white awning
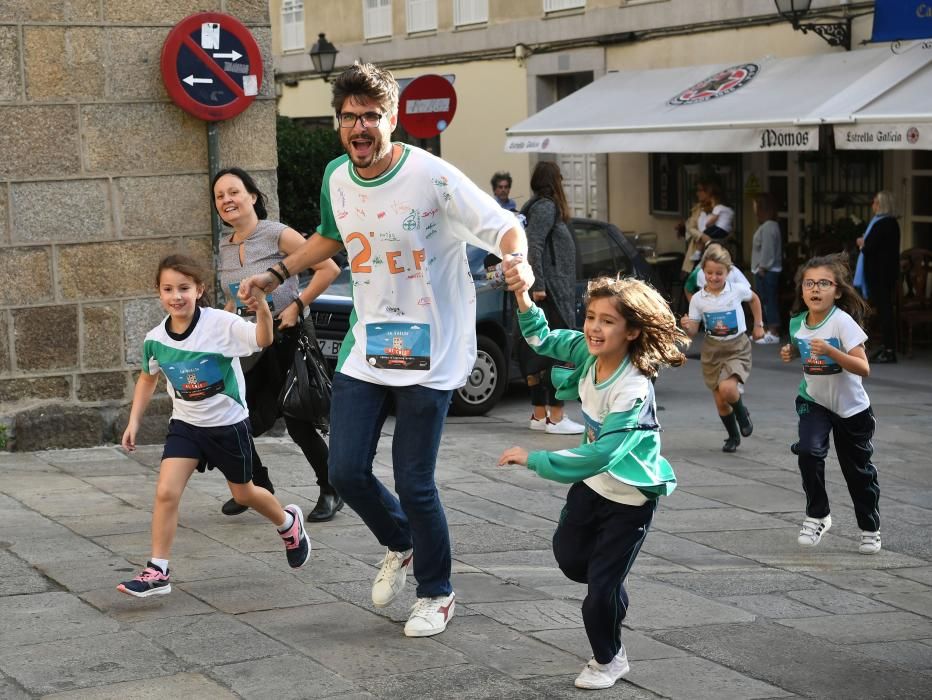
(899,116)
(767,105)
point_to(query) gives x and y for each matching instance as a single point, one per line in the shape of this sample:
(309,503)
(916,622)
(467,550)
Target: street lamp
(323,55)
(836,33)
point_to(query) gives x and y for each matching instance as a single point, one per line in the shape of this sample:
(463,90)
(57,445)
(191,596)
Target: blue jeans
(415,519)
(768,290)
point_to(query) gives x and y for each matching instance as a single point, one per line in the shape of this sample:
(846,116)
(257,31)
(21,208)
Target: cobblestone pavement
(724,603)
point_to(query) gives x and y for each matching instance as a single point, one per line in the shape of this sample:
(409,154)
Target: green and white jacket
(619,457)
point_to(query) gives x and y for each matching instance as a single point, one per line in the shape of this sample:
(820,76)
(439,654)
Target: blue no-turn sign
(211,66)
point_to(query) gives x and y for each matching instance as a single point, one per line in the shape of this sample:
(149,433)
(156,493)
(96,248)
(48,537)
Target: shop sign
(792,139)
(896,20)
(887,137)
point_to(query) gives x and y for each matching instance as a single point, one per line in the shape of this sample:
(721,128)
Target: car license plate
(330,348)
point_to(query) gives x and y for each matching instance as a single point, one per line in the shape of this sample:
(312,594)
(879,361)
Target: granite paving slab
(563,689)
(715,520)
(355,540)
(772,605)
(532,615)
(262,679)
(89,573)
(136,546)
(490,511)
(326,565)
(778,548)
(359,593)
(180,685)
(871,581)
(118,520)
(47,544)
(658,606)
(50,667)
(685,552)
(485,588)
(126,608)
(251,592)
(340,634)
(524,500)
(910,655)
(865,627)
(695,678)
(839,602)
(10,691)
(465,682)
(761,498)
(18,577)
(43,617)
(493,643)
(922,574)
(736,583)
(639,646)
(919,602)
(785,658)
(203,640)
(488,537)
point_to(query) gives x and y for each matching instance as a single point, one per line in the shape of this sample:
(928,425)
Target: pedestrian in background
(501,190)
(617,473)
(766,265)
(826,333)
(878,271)
(552,256)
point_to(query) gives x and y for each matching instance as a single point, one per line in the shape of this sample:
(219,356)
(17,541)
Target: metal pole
(213,167)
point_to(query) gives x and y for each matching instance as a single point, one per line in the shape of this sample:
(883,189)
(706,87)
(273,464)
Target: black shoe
(231,507)
(794,448)
(887,357)
(734,435)
(327,506)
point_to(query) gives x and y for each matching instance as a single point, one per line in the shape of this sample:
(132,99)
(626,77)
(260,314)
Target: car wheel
(486,383)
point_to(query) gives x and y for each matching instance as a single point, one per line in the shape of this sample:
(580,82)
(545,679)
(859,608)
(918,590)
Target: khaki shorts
(723,358)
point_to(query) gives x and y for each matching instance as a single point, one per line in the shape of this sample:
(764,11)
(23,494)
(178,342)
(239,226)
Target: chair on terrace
(915,303)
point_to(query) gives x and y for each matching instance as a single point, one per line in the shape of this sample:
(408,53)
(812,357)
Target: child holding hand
(826,332)
(198,348)
(617,473)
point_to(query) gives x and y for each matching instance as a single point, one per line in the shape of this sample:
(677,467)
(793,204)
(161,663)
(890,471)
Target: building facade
(510,59)
(101,175)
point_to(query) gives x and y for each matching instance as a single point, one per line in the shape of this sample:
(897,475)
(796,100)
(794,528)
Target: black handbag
(308,385)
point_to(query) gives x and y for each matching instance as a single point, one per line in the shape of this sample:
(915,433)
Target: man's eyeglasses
(369,119)
(823,284)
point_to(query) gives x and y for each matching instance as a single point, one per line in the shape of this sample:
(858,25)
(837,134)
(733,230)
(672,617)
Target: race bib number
(398,345)
(195,380)
(818,364)
(720,324)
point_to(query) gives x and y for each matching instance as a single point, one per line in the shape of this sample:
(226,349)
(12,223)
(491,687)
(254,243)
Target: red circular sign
(211,66)
(427,106)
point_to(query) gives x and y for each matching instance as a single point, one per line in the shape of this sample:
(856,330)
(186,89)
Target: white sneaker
(768,339)
(812,530)
(565,427)
(538,423)
(870,542)
(595,675)
(430,616)
(391,577)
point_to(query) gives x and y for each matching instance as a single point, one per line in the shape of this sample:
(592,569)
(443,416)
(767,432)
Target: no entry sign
(427,106)
(211,66)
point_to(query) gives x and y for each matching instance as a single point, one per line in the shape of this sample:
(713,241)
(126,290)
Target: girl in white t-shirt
(197,349)
(830,340)
(726,350)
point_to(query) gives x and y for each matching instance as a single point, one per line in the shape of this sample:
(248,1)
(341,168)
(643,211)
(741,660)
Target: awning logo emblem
(722,83)
(912,135)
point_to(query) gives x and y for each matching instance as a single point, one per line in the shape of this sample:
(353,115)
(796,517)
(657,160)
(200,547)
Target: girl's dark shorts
(226,447)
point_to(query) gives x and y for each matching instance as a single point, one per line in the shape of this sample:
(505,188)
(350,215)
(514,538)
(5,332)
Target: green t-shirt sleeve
(691,284)
(328,222)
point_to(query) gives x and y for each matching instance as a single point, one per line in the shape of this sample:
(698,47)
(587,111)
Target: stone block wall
(100,175)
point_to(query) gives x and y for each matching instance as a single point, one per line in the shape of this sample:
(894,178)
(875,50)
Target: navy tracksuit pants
(596,542)
(854,448)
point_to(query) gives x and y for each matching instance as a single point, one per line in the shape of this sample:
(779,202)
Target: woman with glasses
(878,271)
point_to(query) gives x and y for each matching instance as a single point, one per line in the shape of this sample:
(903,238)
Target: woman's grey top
(260,252)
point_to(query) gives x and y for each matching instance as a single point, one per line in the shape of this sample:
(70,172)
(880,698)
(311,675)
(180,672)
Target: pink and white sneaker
(297,544)
(152,581)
